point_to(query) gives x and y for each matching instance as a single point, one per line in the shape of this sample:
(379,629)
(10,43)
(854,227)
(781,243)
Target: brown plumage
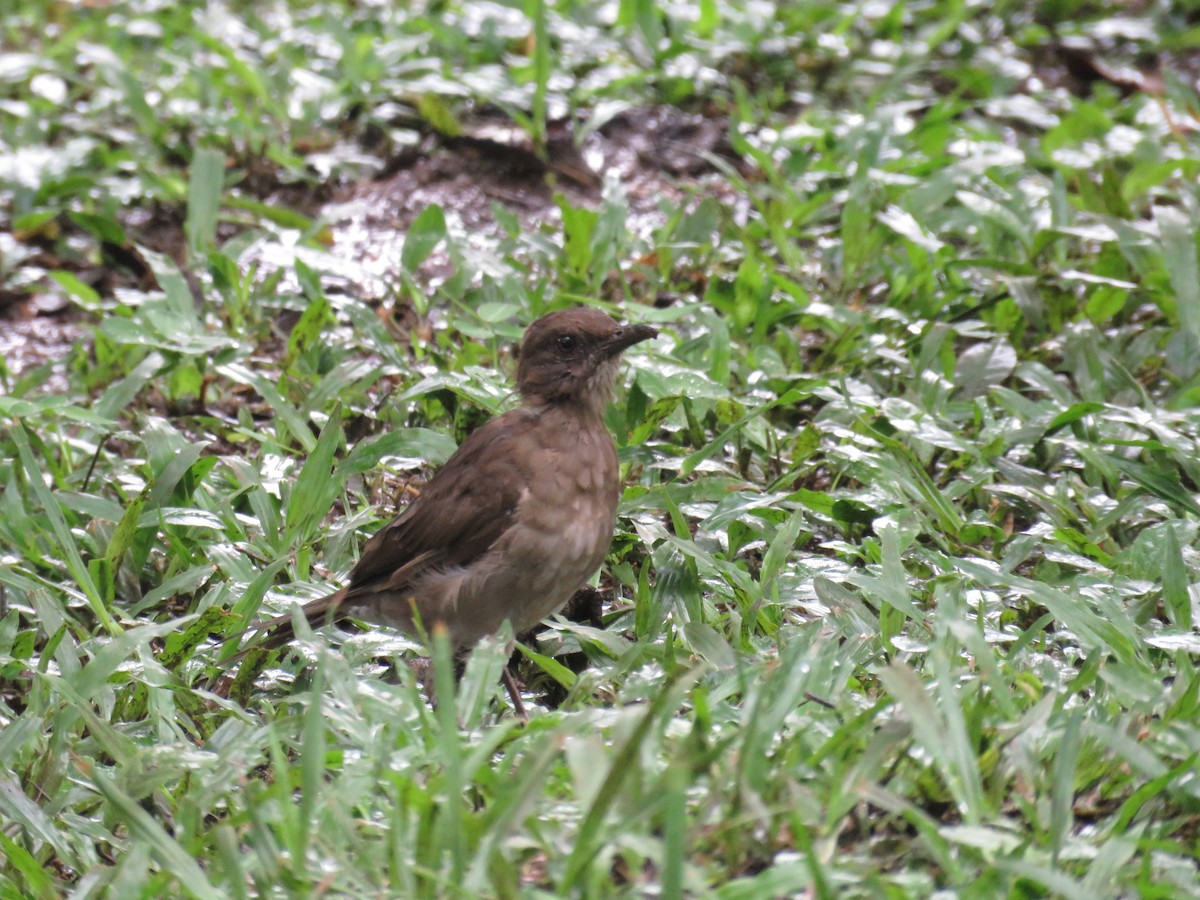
(519,517)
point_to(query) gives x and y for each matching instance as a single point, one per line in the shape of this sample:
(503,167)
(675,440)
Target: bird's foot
(514,692)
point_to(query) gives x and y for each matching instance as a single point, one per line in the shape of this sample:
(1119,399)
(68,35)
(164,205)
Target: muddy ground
(662,158)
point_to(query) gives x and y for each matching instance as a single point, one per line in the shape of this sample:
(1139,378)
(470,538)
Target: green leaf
(437,113)
(410,444)
(622,768)
(62,532)
(983,366)
(541,70)
(424,234)
(123,537)
(280,215)
(1177,599)
(312,762)
(104,228)
(317,315)
(1073,414)
(205,188)
(783,546)
(939,728)
(1062,797)
(1113,633)
(315,486)
(893,582)
(551,666)
(37,881)
(579,227)
(144,828)
(451,831)
(710,645)
(179,645)
(1166,486)
(83,294)
(1179,251)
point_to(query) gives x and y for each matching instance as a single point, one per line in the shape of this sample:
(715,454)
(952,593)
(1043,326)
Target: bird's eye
(566,342)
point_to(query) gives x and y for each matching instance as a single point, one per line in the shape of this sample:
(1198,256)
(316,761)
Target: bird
(518,518)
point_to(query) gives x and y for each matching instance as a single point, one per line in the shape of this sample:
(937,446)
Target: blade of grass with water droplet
(61,531)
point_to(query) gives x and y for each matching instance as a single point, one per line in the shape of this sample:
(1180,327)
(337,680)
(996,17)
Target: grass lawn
(903,596)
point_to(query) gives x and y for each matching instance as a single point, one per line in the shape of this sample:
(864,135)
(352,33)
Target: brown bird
(519,517)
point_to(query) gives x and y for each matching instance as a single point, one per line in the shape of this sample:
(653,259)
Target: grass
(903,595)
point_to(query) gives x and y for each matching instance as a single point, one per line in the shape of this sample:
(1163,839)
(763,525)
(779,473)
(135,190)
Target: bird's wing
(463,509)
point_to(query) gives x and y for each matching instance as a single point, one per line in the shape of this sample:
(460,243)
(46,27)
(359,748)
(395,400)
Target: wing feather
(464,508)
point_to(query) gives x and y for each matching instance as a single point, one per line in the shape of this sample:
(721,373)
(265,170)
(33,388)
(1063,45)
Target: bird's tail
(322,611)
(281,630)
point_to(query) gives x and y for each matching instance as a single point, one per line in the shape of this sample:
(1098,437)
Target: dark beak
(626,337)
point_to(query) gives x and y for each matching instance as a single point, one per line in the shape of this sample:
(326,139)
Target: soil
(662,157)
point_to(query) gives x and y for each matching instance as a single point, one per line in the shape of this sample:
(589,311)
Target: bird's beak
(626,337)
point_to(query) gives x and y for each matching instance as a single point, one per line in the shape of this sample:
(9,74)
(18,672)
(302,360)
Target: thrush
(519,517)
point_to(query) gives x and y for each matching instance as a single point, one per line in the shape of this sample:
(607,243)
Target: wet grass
(903,596)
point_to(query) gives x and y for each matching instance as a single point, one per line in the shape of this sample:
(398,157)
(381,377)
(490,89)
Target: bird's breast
(564,519)
(571,496)
(559,532)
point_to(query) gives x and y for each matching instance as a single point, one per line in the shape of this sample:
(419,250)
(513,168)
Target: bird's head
(571,356)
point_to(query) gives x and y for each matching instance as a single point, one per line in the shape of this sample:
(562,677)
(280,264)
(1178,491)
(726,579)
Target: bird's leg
(514,692)
(509,680)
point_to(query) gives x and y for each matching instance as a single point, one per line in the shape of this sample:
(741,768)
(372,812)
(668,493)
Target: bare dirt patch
(663,158)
